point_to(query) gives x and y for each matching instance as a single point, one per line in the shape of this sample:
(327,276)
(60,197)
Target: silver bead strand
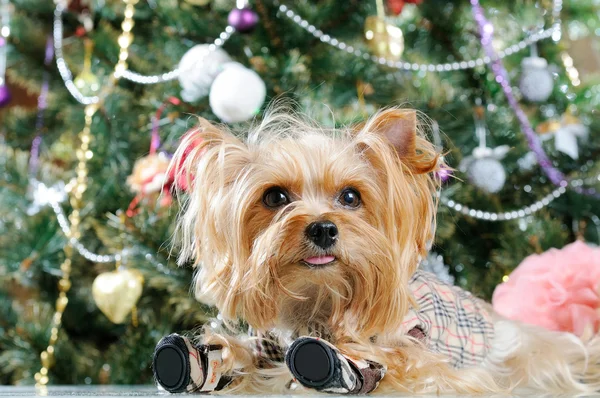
(61,64)
(445,67)
(91,256)
(64,226)
(174,74)
(67,75)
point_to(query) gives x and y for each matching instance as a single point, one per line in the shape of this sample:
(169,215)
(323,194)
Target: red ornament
(395,6)
(80,31)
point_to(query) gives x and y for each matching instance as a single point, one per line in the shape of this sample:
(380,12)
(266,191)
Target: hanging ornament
(242,18)
(434,263)
(396,6)
(483,166)
(42,195)
(5,95)
(150,176)
(198,69)
(86,81)
(443,172)
(237,93)
(384,40)
(536,83)
(116,293)
(565,133)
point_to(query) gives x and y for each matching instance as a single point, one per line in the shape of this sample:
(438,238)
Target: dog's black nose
(322,233)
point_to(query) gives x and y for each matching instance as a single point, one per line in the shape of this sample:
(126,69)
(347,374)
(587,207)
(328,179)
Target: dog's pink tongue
(319,260)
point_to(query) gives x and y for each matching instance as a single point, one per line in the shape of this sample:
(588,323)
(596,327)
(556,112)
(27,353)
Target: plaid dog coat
(453,321)
(448,320)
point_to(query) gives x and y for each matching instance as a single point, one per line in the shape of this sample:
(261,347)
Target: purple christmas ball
(242,19)
(4,96)
(444,174)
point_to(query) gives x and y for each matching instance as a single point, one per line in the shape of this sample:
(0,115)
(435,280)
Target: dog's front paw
(171,364)
(317,364)
(179,366)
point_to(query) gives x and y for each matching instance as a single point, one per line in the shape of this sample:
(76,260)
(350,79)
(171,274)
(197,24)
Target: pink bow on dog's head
(180,177)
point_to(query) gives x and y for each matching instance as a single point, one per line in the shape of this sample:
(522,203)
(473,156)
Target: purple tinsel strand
(42,105)
(486,31)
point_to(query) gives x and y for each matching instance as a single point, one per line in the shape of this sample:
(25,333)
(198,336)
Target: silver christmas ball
(536,83)
(487,174)
(198,69)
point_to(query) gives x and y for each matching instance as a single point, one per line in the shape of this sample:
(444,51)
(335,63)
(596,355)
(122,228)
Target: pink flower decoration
(557,290)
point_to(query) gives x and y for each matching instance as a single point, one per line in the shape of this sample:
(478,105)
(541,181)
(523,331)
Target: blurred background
(96,94)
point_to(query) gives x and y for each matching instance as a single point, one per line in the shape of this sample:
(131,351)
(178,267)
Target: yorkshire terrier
(311,237)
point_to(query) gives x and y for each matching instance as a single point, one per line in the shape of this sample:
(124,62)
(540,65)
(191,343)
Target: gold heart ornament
(116,293)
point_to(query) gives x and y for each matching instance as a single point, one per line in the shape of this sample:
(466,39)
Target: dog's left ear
(399,126)
(398,129)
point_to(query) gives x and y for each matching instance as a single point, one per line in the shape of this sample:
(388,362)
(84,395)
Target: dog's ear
(208,158)
(399,127)
(193,146)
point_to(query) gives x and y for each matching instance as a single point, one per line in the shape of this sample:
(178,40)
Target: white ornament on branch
(483,166)
(237,93)
(536,83)
(198,69)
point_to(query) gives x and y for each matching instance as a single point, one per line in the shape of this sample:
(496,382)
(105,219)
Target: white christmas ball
(488,174)
(536,83)
(198,69)
(237,93)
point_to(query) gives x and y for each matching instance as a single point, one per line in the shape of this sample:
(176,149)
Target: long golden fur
(249,257)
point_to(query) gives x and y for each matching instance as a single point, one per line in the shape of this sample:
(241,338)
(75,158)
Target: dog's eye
(350,197)
(275,197)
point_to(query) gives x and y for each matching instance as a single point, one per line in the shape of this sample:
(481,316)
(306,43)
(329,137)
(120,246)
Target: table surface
(122,391)
(82,391)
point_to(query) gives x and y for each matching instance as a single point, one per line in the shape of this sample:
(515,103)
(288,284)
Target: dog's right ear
(207,161)
(194,145)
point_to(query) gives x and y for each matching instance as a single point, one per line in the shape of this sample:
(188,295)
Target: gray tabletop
(82,391)
(134,391)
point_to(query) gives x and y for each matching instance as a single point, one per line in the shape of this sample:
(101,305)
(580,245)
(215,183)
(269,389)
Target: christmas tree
(97,95)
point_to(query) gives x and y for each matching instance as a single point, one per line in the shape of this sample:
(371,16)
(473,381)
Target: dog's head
(300,224)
